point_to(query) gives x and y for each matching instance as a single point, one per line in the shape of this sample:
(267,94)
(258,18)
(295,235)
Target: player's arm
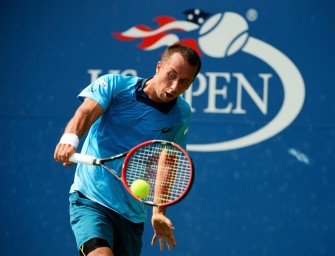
(165,177)
(87,113)
(163,227)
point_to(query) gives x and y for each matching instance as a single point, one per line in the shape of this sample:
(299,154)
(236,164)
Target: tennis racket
(164,165)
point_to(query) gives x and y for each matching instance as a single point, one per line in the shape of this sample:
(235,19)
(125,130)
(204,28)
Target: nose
(174,85)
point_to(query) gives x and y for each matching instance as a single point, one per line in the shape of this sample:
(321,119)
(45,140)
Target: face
(173,77)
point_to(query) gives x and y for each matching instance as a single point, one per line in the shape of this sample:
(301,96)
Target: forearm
(84,117)
(79,123)
(165,177)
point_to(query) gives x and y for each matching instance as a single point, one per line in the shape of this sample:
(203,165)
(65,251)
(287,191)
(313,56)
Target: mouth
(169,95)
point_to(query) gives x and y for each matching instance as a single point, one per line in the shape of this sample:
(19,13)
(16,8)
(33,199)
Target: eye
(185,82)
(172,76)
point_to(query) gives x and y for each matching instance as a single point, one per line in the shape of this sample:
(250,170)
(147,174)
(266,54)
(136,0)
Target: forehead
(174,59)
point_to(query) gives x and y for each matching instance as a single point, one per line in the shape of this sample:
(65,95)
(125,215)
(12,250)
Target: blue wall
(260,189)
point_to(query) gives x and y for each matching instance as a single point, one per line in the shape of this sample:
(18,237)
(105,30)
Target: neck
(149,89)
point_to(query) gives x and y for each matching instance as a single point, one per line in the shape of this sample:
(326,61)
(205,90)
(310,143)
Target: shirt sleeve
(101,91)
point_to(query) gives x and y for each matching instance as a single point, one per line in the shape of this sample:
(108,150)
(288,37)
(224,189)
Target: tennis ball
(140,188)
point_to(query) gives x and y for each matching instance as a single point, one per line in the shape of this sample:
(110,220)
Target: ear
(158,67)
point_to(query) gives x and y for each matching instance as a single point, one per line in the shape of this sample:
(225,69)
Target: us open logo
(243,78)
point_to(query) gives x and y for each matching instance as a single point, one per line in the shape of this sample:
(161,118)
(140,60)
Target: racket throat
(97,162)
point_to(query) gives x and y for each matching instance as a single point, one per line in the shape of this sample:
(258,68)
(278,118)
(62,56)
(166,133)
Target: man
(119,112)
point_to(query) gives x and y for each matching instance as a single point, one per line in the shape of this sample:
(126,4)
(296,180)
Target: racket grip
(82,159)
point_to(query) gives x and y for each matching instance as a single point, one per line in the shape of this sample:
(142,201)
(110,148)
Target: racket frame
(162,142)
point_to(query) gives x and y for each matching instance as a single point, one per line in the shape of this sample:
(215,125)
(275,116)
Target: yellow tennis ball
(140,188)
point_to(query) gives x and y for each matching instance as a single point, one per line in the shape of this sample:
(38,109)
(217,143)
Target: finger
(171,227)
(161,243)
(64,156)
(153,241)
(63,153)
(58,152)
(171,241)
(67,163)
(168,223)
(168,242)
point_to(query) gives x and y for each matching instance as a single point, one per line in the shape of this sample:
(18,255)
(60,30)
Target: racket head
(165,166)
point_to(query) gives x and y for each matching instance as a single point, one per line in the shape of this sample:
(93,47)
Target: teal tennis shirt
(129,119)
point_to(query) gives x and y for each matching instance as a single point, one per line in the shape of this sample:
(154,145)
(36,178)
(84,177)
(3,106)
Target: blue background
(257,200)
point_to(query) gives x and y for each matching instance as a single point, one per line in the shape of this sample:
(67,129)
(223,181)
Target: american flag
(167,32)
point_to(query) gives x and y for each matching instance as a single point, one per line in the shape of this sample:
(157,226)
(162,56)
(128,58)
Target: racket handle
(82,159)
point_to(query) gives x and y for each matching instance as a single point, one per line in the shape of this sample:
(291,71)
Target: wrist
(70,138)
(159,210)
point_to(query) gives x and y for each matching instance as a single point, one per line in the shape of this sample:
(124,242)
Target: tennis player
(119,112)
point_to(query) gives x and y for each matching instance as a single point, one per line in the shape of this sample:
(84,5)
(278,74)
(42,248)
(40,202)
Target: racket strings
(168,180)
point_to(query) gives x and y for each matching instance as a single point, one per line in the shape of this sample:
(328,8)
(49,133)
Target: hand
(63,153)
(163,229)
